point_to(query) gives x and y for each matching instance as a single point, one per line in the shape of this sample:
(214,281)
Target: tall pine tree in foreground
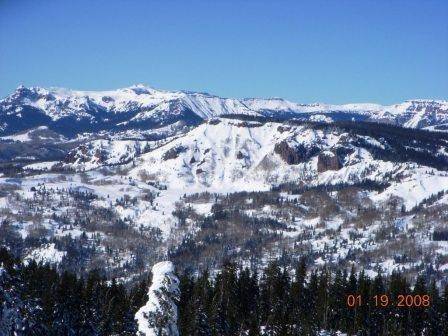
(158,317)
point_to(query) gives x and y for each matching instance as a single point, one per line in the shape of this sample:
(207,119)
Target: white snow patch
(47,253)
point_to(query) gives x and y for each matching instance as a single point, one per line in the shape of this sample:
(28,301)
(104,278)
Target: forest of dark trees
(37,300)
(239,302)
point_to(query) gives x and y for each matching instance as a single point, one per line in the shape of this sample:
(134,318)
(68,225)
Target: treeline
(274,303)
(36,300)
(367,184)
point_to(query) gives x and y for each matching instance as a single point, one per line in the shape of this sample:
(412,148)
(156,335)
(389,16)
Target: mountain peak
(141,106)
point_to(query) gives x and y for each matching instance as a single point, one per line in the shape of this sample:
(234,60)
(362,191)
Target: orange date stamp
(384,300)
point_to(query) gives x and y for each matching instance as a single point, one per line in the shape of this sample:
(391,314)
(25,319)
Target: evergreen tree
(351,314)
(397,318)
(299,297)
(139,295)
(67,316)
(444,311)
(186,311)
(277,305)
(363,312)
(337,302)
(434,311)
(377,312)
(93,302)
(247,300)
(419,314)
(224,303)
(36,300)
(117,318)
(310,322)
(159,315)
(323,300)
(11,306)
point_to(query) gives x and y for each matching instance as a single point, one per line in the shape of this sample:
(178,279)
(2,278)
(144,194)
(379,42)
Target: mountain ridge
(73,112)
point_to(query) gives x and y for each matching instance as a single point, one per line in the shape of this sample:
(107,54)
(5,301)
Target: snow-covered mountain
(135,175)
(139,107)
(232,155)
(236,155)
(237,182)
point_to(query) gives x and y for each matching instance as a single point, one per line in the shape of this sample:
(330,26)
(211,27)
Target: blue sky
(305,51)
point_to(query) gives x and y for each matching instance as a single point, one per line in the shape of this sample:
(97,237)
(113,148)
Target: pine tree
(418,314)
(398,318)
(337,302)
(351,313)
(159,315)
(444,311)
(186,311)
(68,316)
(93,302)
(38,291)
(234,303)
(117,317)
(323,299)
(377,313)
(224,303)
(139,295)
(11,306)
(434,311)
(299,297)
(247,287)
(193,309)
(310,321)
(363,312)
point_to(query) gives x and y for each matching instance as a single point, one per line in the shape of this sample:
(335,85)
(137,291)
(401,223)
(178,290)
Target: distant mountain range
(139,108)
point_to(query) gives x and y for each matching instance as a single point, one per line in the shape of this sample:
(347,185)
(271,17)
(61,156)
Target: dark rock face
(173,153)
(328,161)
(288,154)
(214,121)
(246,124)
(294,155)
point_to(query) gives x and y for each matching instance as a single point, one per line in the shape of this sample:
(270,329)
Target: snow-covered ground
(46,254)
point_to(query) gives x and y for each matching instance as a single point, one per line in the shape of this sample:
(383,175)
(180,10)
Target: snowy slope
(150,186)
(46,254)
(230,156)
(227,155)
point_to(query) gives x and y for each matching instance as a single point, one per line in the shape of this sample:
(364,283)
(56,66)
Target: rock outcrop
(328,161)
(294,155)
